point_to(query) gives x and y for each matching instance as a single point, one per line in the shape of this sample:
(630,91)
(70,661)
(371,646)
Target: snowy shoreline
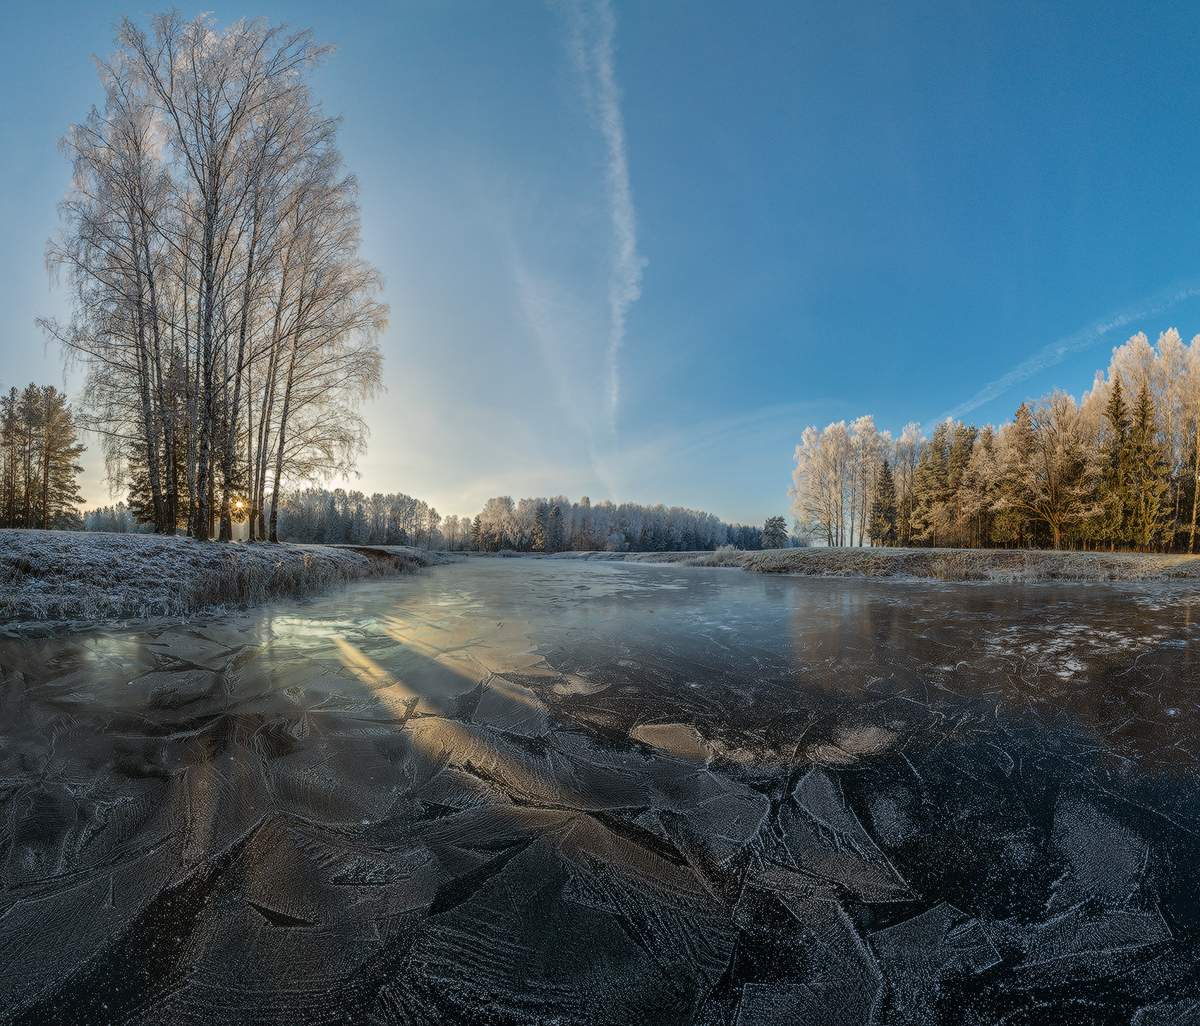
(985,565)
(67,576)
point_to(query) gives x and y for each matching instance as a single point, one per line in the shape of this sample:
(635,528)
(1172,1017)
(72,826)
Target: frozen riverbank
(1002,565)
(58,576)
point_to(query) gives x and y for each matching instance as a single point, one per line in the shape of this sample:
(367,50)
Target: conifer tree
(774,533)
(959,456)
(979,490)
(931,488)
(883,528)
(1149,476)
(1014,491)
(39,453)
(541,529)
(1113,526)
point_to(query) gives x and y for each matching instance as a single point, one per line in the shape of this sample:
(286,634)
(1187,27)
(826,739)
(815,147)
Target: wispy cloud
(1060,349)
(592,27)
(549,313)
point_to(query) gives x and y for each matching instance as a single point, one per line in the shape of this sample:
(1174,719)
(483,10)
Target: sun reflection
(376,677)
(471,746)
(396,630)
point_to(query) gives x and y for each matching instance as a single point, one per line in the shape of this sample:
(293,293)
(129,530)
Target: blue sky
(798,213)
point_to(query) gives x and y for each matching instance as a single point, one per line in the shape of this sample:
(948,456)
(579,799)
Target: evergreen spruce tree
(959,456)
(357,528)
(541,531)
(59,452)
(931,489)
(39,453)
(774,533)
(1013,522)
(1149,476)
(883,525)
(978,491)
(1114,518)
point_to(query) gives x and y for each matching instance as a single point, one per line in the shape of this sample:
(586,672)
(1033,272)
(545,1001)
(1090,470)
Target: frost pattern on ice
(488,794)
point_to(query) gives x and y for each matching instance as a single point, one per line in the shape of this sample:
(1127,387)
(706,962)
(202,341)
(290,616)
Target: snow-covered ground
(934,564)
(92,576)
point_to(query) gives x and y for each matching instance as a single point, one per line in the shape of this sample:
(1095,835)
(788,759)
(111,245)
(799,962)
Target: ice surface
(570,792)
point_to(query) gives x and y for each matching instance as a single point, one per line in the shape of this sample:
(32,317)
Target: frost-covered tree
(1049,472)
(115,519)
(221,311)
(835,477)
(540,524)
(554,527)
(822,496)
(1098,473)
(932,516)
(979,490)
(866,452)
(775,533)
(338,517)
(906,452)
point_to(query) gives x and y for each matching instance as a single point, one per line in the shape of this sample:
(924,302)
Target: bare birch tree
(225,319)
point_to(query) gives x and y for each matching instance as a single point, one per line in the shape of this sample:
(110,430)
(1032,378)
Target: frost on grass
(931,564)
(54,576)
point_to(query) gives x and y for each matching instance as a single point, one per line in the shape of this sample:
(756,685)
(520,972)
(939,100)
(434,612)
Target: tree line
(115,519)
(528,525)
(39,459)
(339,517)
(1119,469)
(558,524)
(225,320)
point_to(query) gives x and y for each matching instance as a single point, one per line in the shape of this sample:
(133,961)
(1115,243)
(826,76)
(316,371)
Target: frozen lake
(519,791)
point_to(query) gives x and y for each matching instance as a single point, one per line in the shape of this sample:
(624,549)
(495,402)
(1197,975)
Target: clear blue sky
(838,209)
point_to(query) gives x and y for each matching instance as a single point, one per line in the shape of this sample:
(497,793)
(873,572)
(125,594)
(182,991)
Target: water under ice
(510,791)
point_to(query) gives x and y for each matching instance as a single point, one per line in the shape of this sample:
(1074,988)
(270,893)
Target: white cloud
(1057,351)
(592,27)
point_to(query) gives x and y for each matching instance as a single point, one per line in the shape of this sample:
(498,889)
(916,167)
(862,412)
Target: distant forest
(528,525)
(1118,470)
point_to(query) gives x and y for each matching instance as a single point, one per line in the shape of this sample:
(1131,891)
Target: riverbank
(66,576)
(999,565)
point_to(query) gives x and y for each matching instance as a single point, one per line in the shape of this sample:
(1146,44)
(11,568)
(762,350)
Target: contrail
(592,33)
(1059,350)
